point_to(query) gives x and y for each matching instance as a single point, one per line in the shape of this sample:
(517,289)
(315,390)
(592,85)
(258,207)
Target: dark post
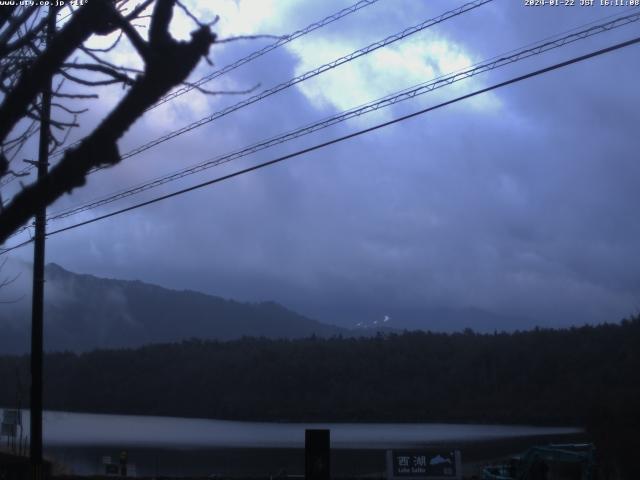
(38,280)
(317,455)
(123,463)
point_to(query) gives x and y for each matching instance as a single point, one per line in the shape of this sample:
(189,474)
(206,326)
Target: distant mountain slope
(84,312)
(436,319)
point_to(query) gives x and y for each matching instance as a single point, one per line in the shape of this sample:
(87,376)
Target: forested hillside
(539,376)
(584,376)
(84,312)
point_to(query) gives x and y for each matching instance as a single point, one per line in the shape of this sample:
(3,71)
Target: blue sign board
(424,464)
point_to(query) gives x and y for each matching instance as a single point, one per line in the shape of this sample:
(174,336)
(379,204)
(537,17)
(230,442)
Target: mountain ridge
(85,312)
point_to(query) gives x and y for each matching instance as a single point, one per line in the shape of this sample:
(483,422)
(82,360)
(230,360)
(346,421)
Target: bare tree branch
(15,22)
(134,37)
(111,72)
(135,13)
(68,110)
(159,31)
(87,20)
(24,40)
(76,95)
(167,64)
(110,47)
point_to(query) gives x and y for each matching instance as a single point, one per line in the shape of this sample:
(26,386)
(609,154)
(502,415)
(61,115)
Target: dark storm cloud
(521,204)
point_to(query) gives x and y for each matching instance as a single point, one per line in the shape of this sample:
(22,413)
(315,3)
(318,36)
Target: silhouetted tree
(28,62)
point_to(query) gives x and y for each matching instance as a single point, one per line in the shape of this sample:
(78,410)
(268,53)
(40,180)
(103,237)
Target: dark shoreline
(267,462)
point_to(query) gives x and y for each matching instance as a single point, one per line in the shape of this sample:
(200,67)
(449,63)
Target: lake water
(169,445)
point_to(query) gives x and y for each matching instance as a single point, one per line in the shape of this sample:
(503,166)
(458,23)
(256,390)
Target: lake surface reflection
(63,428)
(185,446)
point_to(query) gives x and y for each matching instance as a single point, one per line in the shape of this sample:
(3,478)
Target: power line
(258,53)
(389,100)
(310,74)
(293,81)
(305,76)
(345,137)
(15,247)
(232,66)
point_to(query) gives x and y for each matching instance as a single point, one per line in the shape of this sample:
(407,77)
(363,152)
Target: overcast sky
(522,202)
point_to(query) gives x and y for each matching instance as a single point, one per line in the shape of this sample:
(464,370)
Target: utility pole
(37,304)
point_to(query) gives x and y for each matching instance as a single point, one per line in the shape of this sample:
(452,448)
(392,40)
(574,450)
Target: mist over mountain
(84,312)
